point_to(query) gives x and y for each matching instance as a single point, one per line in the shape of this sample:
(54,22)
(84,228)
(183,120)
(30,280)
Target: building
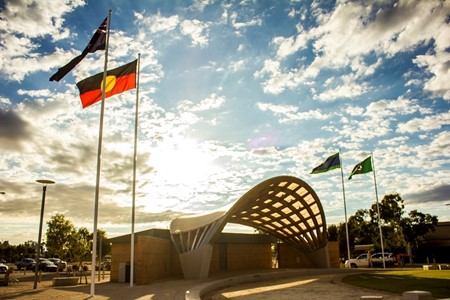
(285,208)
(435,248)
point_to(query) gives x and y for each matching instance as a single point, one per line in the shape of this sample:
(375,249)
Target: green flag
(363,167)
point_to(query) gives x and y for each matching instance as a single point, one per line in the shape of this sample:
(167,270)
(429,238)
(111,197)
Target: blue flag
(332,162)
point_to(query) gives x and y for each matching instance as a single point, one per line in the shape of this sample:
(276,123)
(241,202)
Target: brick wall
(155,259)
(289,257)
(333,251)
(247,257)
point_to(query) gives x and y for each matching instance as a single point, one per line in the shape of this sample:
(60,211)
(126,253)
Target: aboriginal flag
(97,42)
(118,80)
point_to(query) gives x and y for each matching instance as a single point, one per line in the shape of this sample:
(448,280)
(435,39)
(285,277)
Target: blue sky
(231,93)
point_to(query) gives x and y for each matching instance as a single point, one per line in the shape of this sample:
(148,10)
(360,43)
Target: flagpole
(99,160)
(378,211)
(134,172)
(345,209)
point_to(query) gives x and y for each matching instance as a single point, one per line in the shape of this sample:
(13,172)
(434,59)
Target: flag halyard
(363,167)
(118,80)
(331,163)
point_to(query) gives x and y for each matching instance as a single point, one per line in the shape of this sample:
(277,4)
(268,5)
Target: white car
(58,262)
(389,259)
(360,262)
(3,268)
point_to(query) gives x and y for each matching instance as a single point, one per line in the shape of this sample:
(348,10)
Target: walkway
(267,284)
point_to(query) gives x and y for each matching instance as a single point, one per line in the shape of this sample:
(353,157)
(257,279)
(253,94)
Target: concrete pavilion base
(196,263)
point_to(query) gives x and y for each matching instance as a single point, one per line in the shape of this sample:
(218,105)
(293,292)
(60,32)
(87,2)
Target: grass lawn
(435,281)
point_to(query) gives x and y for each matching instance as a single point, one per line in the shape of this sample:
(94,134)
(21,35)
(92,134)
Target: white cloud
(394,141)
(425,124)
(16,68)
(439,145)
(196,30)
(238,25)
(21,23)
(201,4)
(378,119)
(5,101)
(37,18)
(354,31)
(157,23)
(246,143)
(277,109)
(399,106)
(237,65)
(290,113)
(354,110)
(214,101)
(290,45)
(277,81)
(34,93)
(343,91)
(438,66)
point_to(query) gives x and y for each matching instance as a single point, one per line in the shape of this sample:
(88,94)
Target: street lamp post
(44,182)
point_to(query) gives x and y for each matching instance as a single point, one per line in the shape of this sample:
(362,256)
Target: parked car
(377,261)
(106,264)
(389,259)
(26,263)
(360,262)
(59,263)
(47,266)
(3,268)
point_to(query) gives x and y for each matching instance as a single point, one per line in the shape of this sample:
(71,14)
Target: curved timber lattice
(285,207)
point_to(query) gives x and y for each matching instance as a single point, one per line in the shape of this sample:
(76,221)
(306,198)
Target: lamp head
(45,181)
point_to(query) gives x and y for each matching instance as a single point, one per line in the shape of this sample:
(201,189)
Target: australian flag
(97,42)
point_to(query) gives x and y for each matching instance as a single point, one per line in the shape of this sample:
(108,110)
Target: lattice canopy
(285,207)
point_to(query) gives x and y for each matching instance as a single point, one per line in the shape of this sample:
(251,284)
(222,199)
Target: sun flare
(182,161)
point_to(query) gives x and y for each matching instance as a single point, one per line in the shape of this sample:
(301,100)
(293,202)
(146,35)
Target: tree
(391,208)
(102,240)
(362,229)
(6,251)
(415,227)
(59,232)
(80,244)
(399,233)
(333,233)
(391,212)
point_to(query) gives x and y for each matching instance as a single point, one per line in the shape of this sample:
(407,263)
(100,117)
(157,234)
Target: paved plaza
(280,286)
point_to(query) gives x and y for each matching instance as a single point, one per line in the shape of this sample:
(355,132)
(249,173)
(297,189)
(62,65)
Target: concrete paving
(265,284)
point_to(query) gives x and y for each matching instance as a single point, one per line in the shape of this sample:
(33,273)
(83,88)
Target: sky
(231,93)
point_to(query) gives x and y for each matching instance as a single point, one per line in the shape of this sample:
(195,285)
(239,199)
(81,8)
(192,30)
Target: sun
(182,160)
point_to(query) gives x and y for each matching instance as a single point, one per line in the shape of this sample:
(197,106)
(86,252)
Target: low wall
(65,281)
